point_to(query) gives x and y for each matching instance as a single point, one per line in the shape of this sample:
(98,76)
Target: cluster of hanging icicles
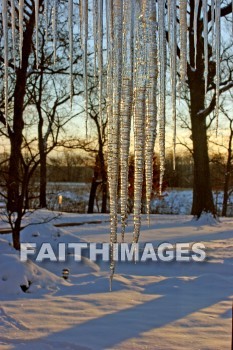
(135,35)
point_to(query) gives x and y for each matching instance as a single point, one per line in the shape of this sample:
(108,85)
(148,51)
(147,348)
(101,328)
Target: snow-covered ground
(153,305)
(75,197)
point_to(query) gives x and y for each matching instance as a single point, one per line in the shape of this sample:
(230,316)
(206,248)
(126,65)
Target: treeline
(61,170)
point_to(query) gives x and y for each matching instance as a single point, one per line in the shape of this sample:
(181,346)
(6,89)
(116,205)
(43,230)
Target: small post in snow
(59,202)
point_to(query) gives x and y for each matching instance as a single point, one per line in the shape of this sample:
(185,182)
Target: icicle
(195,28)
(151,107)
(183,41)
(95,29)
(139,119)
(113,134)
(212,20)
(218,41)
(81,22)
(126,106)
(109,32)
(139,150)
(84,36)
(100,59)
(54,24)
(162,88)
(71,48)
(5,33)
(36,25)
(173,69)
(46,15)
(109,25)
(13,30)
(21,8)
(205,30)
(232,16)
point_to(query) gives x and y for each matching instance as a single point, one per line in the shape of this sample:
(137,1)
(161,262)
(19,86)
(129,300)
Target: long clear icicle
(162,88)
(109,25)
(71,48)
(95,29)
(46,14)
(21,11)
(183,41)
(13,30)
(126,106)
(139,119)
(218,41)
(173,70)
(151,107)
(212,20)
(205,31)
(37,27)
(84,40)
(232,16)
(5,33)
(54,25)
(113,154)
(196,7)
(100,59)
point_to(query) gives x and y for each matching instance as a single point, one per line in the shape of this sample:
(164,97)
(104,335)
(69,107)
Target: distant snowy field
(75,198)
(174,201)
(162,306)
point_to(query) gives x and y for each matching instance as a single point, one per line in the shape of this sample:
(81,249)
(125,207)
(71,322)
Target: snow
(153,305)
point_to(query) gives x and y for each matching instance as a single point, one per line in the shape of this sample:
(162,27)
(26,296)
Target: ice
(13,30)
(37,25)
(54,24)
(6,54)
(84,40)
(126,107)
(183,41)
(218,42)
(46,15)
(95,29)
(100,59)
(162,88)
(195,28)
(151,103)
(70,24)
(205,31)
(114,127)
(21,12)
(212,20)
(173,67)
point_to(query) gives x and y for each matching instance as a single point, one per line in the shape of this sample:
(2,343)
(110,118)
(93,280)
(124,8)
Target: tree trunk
(91,202)
(104,195)
(16,233)
(103,174)
(16,137)
(202,192)
(43,180)
(94,186)
(227,174)
(225,194)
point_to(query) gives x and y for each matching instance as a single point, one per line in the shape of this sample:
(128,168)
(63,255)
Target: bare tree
(202,104)
(26,88)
